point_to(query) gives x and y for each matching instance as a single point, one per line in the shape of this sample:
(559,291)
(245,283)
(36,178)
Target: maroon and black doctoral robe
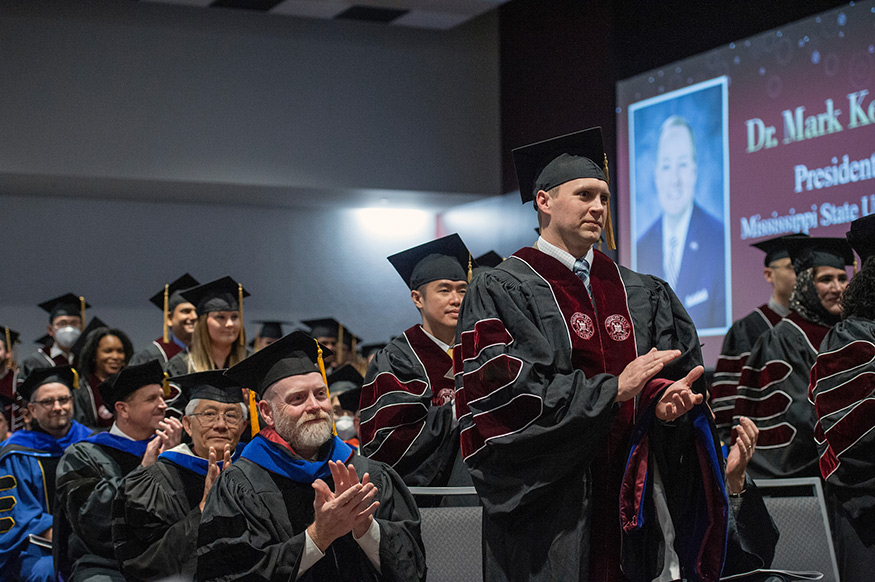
(737,344)
(546,443)
(407,410)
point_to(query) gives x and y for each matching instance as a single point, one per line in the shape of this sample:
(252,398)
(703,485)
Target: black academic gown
(407,412)
(41,359)
(256,514)
(842,389)
(89,475)
(773,392)
(737,344)
(156,516)
(157,350)
(540,431)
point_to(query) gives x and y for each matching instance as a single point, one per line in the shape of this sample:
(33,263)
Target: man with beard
(91,471)
(407,418)
(66,322)
(773,388)
(179,319)
(27,473)
(273,514)
(158,508)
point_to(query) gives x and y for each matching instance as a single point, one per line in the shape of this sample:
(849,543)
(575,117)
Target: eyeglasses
(50,402)
(210,417)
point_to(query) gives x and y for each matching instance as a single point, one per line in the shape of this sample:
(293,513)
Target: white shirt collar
(778,308)
(114,429)
(56,351)
(561,255)
(442,345)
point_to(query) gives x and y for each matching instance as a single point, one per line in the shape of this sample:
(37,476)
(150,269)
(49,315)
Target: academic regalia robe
(773,392)
(8,396)
(157,350)
(737,344)
(256,514)
(41,358)
(842,389)
(156,515)
(547,445)
(89,475)
(88,407)
(407,411)
(28,459)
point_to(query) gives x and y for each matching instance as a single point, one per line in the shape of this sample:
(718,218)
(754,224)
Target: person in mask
(773,387)
(66,322)
(345,388)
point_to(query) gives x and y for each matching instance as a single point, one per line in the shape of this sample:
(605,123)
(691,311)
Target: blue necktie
(581,269)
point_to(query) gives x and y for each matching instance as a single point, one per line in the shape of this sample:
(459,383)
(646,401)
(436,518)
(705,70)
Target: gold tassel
(324,377)
(75,379)
(254,428)
(605,168)
(470,268)
(242,340)
(609,226)
(165,385)
(166,309)
(8,343)
(855,273)
(82,313)
(340,346)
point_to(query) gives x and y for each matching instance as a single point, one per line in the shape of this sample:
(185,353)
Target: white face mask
(67,336)
(345,427)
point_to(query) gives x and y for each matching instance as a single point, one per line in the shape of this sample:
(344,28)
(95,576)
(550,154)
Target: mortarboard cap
(211,385)
(552,162)
(444,258)
(271,328)
(350,399)
(43,340)
(369,349)
(130,379)
(94,324)
(67,304)
(819,252)
(41,376)
(490,259)
(862,237)
(220,295)
(549,163)
(172,293)
(9,337)
(292,355)
(325,327)
(776,248)
(343,379)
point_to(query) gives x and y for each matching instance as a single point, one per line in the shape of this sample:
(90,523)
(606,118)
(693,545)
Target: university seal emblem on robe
(582,325)
(618,327)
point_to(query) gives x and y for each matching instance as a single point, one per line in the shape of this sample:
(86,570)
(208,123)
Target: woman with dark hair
(773,387)
(104,353)
(843,392)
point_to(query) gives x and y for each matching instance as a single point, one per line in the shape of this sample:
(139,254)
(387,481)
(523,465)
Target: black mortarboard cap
(43,340)
(211,385)
(8,336)
(130,379)
(95,323)
(549,163)
(444,258)
(776,248)
(271,328)
(174,293)
(369,349)
(42,376)
(350,399)
(219,295)
(862,237)
(344,378)
(819,252)
(291,355)
(67,304)
(324,327)
(489,259)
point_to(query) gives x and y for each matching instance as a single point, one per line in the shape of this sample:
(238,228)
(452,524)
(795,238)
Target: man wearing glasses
(158,507)
(27,473)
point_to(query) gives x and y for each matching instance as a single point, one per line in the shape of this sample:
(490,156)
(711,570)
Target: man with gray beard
(293,507)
